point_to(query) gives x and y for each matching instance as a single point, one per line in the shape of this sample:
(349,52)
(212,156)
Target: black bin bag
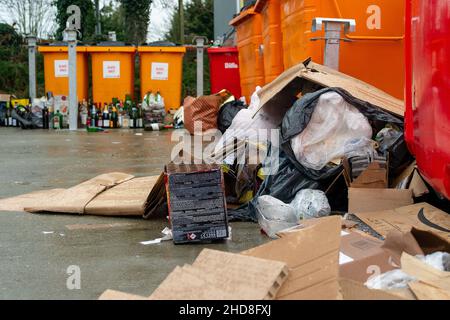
(291,176)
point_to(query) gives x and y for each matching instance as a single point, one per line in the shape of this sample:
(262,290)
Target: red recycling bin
(224,70)
(427,116)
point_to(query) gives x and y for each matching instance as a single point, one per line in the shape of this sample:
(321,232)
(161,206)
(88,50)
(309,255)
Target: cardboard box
(369,191)
(360,252)
(374,177)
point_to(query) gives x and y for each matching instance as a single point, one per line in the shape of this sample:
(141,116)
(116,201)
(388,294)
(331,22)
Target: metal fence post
(73,99)
(32,66)
(200,42)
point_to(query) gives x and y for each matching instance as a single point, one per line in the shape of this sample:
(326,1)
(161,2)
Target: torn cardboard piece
(368,200)
(425,273)
(19,203)
(125,199)
(217,275)
(181,285)
(309,76)
(312,256)
(75,199)
(353,290)
(115,194)
(156,203)
(422,216)
(373,177)
(425,291)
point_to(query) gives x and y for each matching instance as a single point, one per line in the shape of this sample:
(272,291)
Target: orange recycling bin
(162,70)
(248,26)
(112,71)
(56,70)
(374,53)
(272,38)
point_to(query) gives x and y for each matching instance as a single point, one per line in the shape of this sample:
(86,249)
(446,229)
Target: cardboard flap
(425,291)
(19,203)
(430,242)
(154,206)
(353,290)
(75,199)
(283,91)
(312,256)
(125,199)
(425,273)
(398,242)
(422,216)
(217,275)
(369,200)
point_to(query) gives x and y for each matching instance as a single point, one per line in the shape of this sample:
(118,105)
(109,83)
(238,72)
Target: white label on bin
(111,69)
(61,68)
(231,65)
(160,71)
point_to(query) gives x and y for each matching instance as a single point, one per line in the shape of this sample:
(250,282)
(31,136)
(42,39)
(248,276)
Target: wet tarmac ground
(38,253)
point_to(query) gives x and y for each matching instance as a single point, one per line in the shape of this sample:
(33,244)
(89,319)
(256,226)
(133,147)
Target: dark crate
(196,202)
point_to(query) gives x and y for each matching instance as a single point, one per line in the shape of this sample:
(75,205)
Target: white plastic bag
(248,125)
(310,204)
(333,124)
(274,215)
(395,279)
(360,147)
(438,260)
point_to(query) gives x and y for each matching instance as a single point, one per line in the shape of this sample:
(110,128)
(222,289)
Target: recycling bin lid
(59,46)
(222,50)
(112,46)
(161,46)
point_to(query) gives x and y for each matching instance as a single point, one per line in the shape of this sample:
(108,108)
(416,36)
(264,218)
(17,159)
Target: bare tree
(30,16)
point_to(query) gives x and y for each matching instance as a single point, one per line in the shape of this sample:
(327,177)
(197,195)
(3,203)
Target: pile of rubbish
(319,160)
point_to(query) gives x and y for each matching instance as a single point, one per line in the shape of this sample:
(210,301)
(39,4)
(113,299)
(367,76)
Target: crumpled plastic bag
(310,204)
(274,215)
(438,260)
(334,123)
(387,137)
(248,125)
(360,147)
(395,279)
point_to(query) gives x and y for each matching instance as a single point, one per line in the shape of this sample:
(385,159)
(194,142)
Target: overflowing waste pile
(318,159)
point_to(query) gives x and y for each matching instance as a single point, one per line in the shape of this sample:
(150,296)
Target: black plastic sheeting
(291,176)
(227,113)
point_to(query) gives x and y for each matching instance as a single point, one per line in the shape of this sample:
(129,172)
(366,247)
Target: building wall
(224,10)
